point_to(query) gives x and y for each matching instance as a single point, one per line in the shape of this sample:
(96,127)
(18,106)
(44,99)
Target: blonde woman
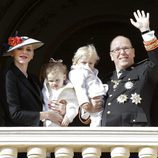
(23,102)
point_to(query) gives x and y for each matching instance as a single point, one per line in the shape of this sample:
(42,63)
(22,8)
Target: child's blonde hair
(87,51)
(54,67)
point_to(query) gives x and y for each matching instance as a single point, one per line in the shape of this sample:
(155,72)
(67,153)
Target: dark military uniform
(131,99)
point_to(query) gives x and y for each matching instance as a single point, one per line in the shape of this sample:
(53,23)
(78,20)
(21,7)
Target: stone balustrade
(120,142)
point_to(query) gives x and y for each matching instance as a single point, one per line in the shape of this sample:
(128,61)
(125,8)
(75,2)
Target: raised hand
(142,20)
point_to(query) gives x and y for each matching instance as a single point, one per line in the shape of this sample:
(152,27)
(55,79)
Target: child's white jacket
(67,93)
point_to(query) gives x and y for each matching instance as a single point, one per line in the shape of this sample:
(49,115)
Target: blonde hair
(87,51)
(55,67)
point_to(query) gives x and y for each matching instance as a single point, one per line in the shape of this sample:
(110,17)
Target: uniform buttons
(108,112)
(109,103)
(110,95)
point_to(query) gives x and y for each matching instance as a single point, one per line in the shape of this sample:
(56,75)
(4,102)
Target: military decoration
(129,85)
(136,99)
(122,98)
(116,83)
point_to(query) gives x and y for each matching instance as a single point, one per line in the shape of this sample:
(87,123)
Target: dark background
(65,25)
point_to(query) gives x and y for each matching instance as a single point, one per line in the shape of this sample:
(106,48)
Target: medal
(129,85)
(136,99)
(116,83)
(122,98)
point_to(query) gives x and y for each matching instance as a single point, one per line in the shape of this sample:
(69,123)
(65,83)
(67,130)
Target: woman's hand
(52,116)
(58,106)
(142,20)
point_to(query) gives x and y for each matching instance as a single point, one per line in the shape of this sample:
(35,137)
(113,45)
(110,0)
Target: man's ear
(111,56)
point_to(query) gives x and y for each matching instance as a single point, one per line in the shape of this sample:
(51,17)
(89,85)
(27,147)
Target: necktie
(119,73)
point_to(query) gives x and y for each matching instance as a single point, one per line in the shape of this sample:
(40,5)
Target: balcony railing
(120,142)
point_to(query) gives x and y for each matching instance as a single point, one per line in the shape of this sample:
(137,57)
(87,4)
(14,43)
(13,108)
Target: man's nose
(122,51)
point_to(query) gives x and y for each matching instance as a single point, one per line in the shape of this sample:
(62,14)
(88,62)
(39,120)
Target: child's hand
(62,106)
(65,122)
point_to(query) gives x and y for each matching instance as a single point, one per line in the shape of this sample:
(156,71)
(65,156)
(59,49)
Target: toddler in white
(59,94)
(84,77)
